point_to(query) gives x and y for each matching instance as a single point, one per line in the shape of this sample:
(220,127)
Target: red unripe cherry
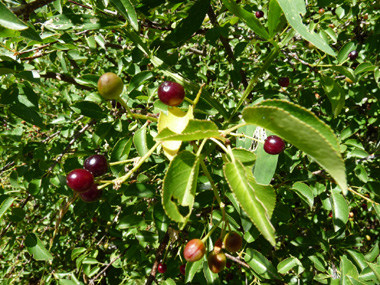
(80,180)
(216,262)
(194,250)
(233,242)
(162,268)
(91,195)
(274,145)
(171,93)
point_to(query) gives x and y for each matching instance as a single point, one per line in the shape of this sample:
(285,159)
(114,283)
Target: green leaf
(5,206)
(275,17)
(376,269)
(89,109)
(244,192)
(373,253)
(28,114)
(169,282)
(344,51)
(138,79)
(249,18)
(340,210)
(121,149)
(77,251)
(304,130)
(261,265)
(192,268)
(287,264)
(37,248)
(161,220)
(292,10)
(189,25)
(304,192)
(364,67)
(180,186)
(211,277)
(347,270)
(130,221)
(140,141)
(335,93)
(265,166)
(195,130)
(358,258)
(348,72)
(244,156)
(125,7)
(9,20)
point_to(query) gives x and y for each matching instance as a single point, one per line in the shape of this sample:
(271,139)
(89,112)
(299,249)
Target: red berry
(91,195)
(321,11)
(80,180)
(171,93)
(96,164)
(161,268)
(194,250)
(283,81)
(274,145)
(259,14)
(353,55)
(182,269)
(216,262)
(233,242)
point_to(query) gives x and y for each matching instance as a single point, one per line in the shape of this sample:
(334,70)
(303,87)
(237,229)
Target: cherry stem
(211,231)
(121,162)
(198,95)
(133,115)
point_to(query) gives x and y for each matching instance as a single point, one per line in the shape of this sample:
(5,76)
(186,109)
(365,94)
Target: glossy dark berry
(353,55)
(233,242)
(274,145)
(119,39)
(96,164)
(194,250)
(283,81)
(182,269)
(171,93)
(259,14)
(216,262)
(161,268)
(80,180)
(91,195)
(110,85)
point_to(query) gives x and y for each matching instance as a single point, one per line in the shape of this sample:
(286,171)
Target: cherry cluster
(81,180)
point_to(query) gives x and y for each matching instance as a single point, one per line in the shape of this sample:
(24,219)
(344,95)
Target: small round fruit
(259,14)
(321,11)
(162,268)
(91,195)
(171,93)
(353,55)
(310,45)
(233,242)
(96,164)
(216,262)
(194,250)
(182,269)
(348,80)
(80,180)
(110,85)
(274,145)
(283,81)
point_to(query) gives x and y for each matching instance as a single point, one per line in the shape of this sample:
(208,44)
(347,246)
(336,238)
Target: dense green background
(52,118)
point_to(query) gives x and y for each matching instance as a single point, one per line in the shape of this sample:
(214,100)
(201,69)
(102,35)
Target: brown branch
(237,260)
(159,253)
(226,44)
(27,9)
(65,78)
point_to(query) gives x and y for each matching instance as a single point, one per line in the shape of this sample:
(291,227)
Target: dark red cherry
(259,14)
(194,250)
(161,268)
(96,164)
(91,195)
(274,145)
(80,180)
(283,81)
(353,55)
(182,269)
(171,93)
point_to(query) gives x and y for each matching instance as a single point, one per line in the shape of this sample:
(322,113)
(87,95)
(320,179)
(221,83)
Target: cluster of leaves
(305,215)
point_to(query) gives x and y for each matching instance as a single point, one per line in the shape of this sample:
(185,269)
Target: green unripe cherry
(110,85)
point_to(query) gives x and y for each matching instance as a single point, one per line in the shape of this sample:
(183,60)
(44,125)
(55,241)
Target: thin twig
(237,260)
(27,9)
(65,78)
